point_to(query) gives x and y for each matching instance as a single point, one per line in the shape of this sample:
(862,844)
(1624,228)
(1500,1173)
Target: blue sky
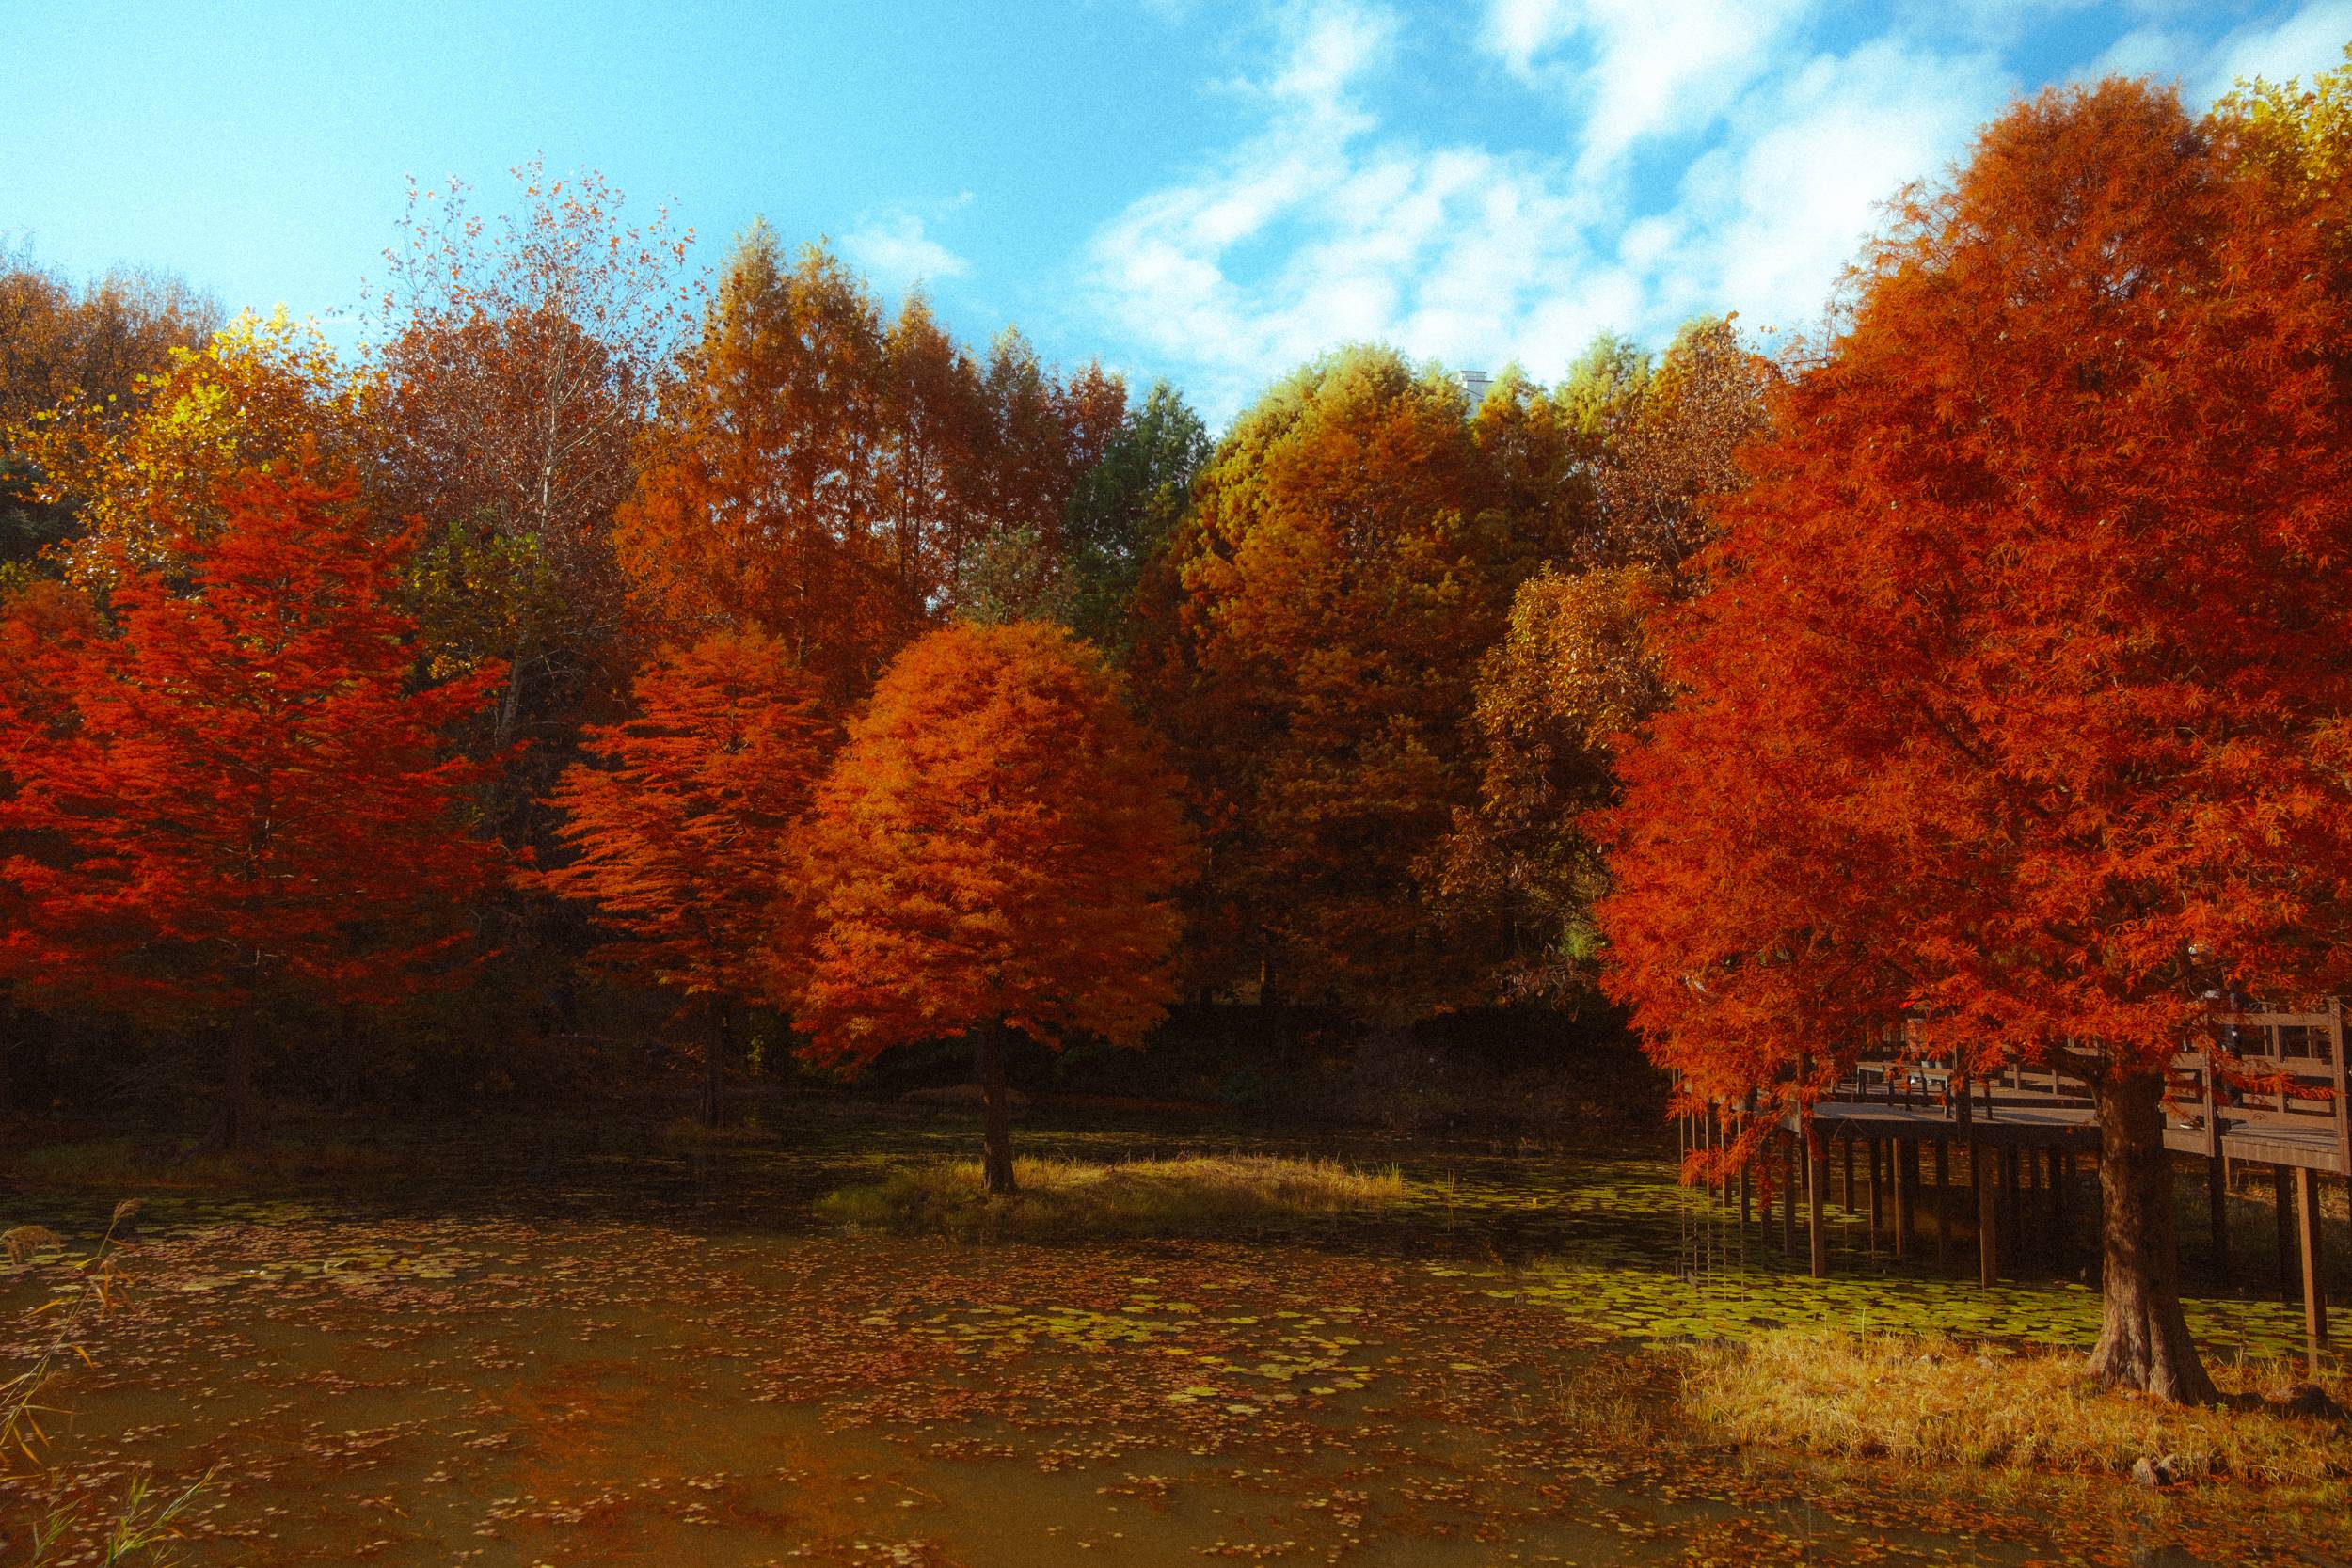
(1208,191)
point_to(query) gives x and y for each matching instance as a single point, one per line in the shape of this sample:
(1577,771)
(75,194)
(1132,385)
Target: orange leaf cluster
(2018,701)
(826,477)
(236,795)
(998,843)
(680,815)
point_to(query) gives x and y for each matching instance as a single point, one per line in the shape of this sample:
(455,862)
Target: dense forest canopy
(770,662)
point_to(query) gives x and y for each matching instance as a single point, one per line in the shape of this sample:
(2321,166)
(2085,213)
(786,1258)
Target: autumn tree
(1348,559)
(520,358)
(994,850)
(2016,704)
(1667,442)
(149,475)
(1125,510)
(1573,678)
(76,353)
(678,821)
(758,504)
(830,477)
(233,801)
(1644,451)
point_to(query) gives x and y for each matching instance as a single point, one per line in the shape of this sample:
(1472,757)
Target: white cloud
(2156,52)
(1770,219)
(2310,42)
(1317,231)
(1330,222)
(897,253)
(2299,45)
(1642,68)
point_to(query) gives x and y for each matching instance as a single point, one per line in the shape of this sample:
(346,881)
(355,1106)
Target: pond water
(593,1349)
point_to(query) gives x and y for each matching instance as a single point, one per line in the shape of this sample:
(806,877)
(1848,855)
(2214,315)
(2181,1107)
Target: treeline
(336,681)
(396,722)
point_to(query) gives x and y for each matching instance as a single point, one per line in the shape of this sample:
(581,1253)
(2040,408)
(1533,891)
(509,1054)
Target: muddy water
(526,1351)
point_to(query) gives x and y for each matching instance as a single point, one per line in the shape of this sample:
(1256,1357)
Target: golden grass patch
(1193,1195)
(1935,1403)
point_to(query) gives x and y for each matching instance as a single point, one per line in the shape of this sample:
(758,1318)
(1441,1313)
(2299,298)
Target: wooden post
(2012,1209)
(2314,1290)
(2343,1086)
(1943,1201)
(1747,1198)
(1903,1155)
(1848,1193)
(1874,1151)
(2061,1225)
(1814,1175)
(1988,1226)
(2217,1176)
(2282,1193)
(1715,1178)
(1789,1194)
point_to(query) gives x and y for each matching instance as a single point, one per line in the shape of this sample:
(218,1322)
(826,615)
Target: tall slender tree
(679,821)
(829,479)
(83,355)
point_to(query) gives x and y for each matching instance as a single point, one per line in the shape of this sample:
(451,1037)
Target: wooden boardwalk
(2277,1094)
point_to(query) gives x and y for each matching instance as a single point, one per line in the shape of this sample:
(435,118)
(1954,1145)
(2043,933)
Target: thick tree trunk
(2143,1342)
(716,1050)
(996,1110)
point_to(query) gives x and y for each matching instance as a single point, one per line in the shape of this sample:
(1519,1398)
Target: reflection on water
(586,1348)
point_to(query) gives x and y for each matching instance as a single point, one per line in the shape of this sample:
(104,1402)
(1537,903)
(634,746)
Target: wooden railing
(2297,1062)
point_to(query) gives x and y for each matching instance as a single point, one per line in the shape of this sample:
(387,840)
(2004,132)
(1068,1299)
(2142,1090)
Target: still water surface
(535,1349)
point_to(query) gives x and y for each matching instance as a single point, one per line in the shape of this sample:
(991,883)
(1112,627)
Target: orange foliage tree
(237,802)
(827,477)
(679,821)
(996,848)
(2017,705)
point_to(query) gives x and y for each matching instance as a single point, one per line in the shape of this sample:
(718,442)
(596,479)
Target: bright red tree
(997,849)
(680,819)
(2018,701)
(237,799)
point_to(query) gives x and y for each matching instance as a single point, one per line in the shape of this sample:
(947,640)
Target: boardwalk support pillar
(1789,1194)
(1875,1152)
(1815,1175)
(1903,1154)
(2061,1205)
(2315,1288)
(1988,1214)
(2282,1195)
(1943,1200)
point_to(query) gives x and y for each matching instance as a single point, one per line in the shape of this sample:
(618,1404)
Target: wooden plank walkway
(2037,1120)
(2286,1103)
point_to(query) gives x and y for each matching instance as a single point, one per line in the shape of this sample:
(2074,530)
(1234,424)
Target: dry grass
(1932,1402)
(1074,1198)
(188,1164)
(690,1132)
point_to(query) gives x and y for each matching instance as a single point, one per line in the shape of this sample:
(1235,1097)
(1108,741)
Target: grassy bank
(1071,1198)
(183,1164)
(1936,1403)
